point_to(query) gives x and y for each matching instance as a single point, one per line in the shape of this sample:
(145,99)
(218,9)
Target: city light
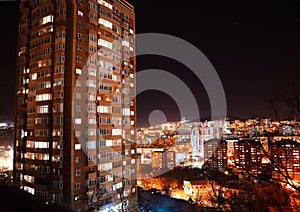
(6,158)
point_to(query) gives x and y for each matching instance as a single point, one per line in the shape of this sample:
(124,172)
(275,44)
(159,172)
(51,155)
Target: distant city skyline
(252,45)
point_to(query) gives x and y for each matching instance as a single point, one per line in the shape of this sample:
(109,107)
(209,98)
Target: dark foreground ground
(12,199)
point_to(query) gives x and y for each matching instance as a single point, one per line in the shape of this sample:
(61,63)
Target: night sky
(253,45)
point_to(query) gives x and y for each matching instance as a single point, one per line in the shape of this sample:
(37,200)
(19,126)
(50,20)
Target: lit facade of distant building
(155,161)
(189,132)
(230,152)
(238,148)
(75,107)
(286,154)
(196,148)
(247,156)
(215,154)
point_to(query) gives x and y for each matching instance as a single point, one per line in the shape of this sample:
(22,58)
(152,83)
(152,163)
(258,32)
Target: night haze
(253,46)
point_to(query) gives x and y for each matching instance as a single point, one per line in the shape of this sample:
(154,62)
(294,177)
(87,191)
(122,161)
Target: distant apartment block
(248,156)
(215,154)
(286,154)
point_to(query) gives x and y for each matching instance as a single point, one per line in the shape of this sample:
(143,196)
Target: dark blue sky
(8,55)
(253,45)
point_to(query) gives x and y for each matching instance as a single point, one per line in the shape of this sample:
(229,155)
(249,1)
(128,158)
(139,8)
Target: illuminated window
(34,76)
(77,198)
(126,111)
(41,145)
(77,146)
(116,131)
(78,121)
(42,97)
(91,144)
(42,109)
(80,13)
(125,43)
(117,186)
(46,19)
(106,4)
(29,178)
(78,71)
(105,167)
(108,143)
(29,190)
(105,23)
(104,43)
(104,109)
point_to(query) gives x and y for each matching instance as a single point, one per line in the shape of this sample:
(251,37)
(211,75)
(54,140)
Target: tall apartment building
(75,106)
(215,154)
(248,156)
(286,154)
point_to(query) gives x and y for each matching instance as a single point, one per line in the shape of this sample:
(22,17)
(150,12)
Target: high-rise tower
(75,103)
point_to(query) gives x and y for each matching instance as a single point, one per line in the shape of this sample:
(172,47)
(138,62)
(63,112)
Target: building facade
(248,156)
(75,106)
(286,154)
(215,154)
